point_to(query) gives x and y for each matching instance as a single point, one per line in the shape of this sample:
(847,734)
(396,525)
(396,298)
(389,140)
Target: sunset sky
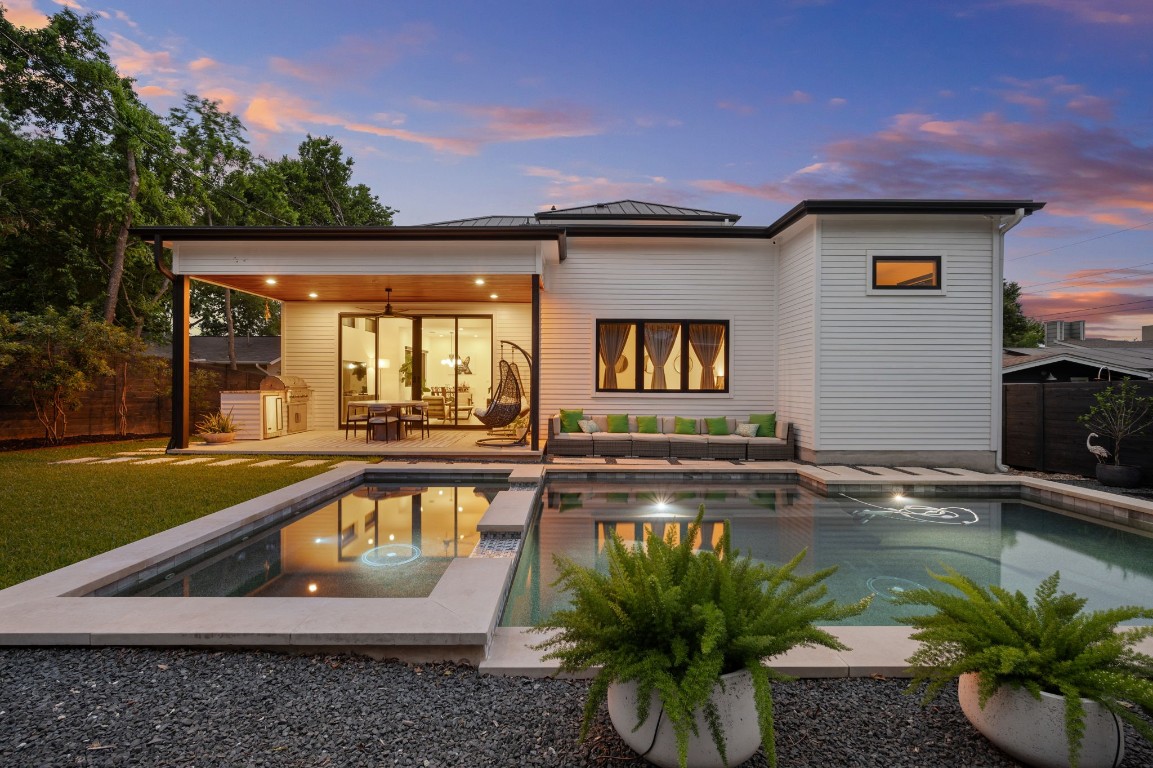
(459,109)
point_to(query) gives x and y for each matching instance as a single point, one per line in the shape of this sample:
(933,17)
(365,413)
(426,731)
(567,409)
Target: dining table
(377,431)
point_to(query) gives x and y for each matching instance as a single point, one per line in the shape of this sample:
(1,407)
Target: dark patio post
(180,355)
(534,397)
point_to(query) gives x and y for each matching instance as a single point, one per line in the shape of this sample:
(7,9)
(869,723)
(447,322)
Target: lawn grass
(52,515)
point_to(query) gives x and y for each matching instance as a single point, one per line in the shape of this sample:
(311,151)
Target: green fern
(1048,645)
(675,620)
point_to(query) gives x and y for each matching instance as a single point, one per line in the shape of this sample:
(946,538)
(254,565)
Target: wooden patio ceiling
(406,289)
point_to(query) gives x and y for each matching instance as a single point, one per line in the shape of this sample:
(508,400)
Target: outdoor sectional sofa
(668,444)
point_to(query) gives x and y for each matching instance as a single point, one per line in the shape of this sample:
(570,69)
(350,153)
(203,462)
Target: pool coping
(458,621)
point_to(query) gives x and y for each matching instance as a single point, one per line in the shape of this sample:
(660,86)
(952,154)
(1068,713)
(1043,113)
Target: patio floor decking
(441,444)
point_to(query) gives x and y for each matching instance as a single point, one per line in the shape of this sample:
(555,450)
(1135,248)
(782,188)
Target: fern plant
(1049,645)
(675,620)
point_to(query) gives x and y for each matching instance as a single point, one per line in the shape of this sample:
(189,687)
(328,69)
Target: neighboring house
(873,326)
(254,354)
(1079,360)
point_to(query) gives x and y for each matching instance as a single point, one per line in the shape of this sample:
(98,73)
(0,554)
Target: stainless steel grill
(296,394)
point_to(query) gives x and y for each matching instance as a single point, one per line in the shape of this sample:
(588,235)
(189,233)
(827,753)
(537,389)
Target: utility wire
(1079,242)
(1097,273)
(144,140)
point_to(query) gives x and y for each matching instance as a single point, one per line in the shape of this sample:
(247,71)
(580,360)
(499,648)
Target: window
(662,355)
(906,273)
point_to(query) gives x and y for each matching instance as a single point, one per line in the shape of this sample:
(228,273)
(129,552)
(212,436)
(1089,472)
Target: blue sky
(458,109)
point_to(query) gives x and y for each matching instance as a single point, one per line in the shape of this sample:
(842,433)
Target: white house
(872,326)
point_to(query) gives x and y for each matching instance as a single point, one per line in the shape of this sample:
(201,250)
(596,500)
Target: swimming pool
(377,540)
(882,545)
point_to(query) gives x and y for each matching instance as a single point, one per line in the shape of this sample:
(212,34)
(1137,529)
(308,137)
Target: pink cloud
(799,97)
(359,54)
(735,106)
(134,60)
(567,190)
(1116,12)
(154,90)
(23,13)
(1042,93)
(277,112)
(503,123)
(1095,172)
(838,102)
(1107,314)
(201,64)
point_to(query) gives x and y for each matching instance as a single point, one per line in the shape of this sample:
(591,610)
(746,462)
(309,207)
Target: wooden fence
(1041,430)
(135,402)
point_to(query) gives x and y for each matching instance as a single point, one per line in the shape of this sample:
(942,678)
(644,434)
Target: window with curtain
(662,355)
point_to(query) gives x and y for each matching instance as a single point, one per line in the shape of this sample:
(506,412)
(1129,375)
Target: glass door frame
(418,373)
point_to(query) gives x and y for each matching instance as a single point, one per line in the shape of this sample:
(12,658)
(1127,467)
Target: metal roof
(487,221)
(636,209)
(1137,361)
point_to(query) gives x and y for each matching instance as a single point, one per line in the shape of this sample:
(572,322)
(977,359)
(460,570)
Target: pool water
(379,540)
(881,545)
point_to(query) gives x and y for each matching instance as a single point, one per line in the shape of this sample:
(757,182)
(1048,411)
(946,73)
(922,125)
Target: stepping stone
(160,460)
(153,450)
(197,460)
(84,460)
(228,462)
(310,463)
(130,453)
(118,460)
(270,462)
(352,463)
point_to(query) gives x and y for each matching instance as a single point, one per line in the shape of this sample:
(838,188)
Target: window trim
(638,354)
(872,288)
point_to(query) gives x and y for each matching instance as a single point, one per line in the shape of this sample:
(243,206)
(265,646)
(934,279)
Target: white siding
(355,257)
(310,333)
(675,279)
(906,372)
(796,319)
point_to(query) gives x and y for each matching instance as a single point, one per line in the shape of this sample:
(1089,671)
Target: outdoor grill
(295,392)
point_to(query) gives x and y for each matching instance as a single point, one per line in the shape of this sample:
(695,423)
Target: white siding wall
(906,372)
(796,318)
(677,279)
(310,333)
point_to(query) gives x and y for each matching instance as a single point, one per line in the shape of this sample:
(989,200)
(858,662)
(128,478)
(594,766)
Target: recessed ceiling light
(313,295)
(492,296)
(270,280)
(480,281)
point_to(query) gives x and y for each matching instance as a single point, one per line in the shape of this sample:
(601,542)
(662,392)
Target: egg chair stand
(509,402)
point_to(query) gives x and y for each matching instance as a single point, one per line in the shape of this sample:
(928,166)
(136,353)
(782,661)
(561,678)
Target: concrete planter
(656,742)
(1034,731)
(219,437)
(1119,475)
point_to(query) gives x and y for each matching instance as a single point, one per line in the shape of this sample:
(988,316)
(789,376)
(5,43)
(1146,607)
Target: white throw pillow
(588,426)
(746,430)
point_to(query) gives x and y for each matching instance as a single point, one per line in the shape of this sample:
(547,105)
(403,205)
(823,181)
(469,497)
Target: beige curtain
(706,340)
(659,340)
(610,346)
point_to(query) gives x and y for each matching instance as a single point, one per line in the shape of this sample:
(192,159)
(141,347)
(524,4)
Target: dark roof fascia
(186,234)
(664,230)
(843,207)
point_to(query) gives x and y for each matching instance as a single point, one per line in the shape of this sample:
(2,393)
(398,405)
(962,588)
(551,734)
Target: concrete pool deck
(458,620)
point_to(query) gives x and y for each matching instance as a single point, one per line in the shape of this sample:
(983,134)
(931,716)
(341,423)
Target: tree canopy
(1016,329)
(83,159)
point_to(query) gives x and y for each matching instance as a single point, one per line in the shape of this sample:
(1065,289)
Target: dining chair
(355,414)
(417,416)
(380,414)
(435,407)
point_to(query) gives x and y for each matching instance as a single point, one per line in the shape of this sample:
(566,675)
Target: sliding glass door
(458,366)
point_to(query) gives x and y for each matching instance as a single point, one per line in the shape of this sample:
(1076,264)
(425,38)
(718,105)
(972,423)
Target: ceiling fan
(389,311)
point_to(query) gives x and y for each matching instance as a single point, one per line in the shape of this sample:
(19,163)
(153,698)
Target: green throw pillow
(618,422)
(570,420)
(683,426)
(766,424)
(718,425)
(648,425)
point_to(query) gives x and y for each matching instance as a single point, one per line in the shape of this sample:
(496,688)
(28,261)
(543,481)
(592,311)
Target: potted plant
(1045,680)
(680,637)
(217,427)
(1118,412)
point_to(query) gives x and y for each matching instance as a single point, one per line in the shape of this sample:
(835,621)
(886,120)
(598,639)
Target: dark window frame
(638,387)
(936,260)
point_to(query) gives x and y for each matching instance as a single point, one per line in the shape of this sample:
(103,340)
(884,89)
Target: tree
(319,185)
(53,358)
(1016,329)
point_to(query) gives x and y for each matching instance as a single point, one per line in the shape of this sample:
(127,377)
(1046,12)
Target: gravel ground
(142,707)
